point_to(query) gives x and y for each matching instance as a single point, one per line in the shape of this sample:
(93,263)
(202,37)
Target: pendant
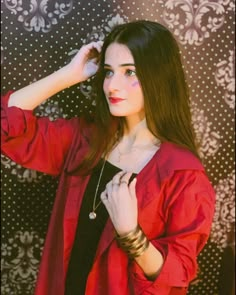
(92,215)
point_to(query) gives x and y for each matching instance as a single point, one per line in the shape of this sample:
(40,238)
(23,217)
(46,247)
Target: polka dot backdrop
(33,47)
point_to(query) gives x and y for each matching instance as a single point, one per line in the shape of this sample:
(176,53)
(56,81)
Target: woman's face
(121,86)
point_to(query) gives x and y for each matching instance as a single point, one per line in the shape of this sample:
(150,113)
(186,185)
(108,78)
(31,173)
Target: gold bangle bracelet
(129,235)
(132,240)
(137,246)
(134,243)
(138,242)
(140,251)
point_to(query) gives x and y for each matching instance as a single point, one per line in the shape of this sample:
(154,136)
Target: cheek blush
(135,83)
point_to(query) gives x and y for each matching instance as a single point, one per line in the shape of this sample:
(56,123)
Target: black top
(88,231)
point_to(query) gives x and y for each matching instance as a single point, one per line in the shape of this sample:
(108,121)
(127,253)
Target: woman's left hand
(120,201)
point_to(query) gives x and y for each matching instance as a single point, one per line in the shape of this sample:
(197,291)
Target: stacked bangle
(134,243)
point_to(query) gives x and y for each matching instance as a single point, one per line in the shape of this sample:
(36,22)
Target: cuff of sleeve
(13,119)
(172,272)
(5,99)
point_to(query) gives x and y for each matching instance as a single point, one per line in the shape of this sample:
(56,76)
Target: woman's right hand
(85,63)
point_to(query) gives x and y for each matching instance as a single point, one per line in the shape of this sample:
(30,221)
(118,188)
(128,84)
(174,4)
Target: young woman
(134,206)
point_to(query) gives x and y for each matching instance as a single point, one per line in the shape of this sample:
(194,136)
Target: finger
(92,50)
(132,188)
(109,189)
(125,178)
(95,45)
(86,52)
(117,177)
(91,45)
(104,197)
(98,45)
(105,201)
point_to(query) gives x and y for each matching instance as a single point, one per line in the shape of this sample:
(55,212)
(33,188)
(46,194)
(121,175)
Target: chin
(117,113)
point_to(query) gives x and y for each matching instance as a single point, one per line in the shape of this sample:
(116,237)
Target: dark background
(38,37)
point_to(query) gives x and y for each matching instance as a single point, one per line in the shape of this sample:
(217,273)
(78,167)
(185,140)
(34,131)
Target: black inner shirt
(88,231)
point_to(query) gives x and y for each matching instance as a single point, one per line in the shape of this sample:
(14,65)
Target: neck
(131,122)
(135,128)
(139,134)
(135,148)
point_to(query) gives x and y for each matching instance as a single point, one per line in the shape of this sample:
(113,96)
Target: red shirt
(175,199)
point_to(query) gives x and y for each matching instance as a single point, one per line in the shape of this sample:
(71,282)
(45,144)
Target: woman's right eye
(108,73)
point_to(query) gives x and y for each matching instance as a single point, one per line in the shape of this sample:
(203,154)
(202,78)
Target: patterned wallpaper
(40,36)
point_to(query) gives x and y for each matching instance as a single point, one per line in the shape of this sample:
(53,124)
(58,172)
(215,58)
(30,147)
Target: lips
(115,100)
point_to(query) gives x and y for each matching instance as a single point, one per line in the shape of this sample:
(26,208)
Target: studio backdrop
(40,36)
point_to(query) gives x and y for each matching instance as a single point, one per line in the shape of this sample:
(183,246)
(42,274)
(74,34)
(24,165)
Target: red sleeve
(189,211)
(35,143)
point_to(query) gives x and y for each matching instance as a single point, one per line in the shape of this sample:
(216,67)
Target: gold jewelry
(92,214)
(129,235)
(134,243)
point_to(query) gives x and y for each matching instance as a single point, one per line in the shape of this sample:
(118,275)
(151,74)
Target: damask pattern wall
(38,37)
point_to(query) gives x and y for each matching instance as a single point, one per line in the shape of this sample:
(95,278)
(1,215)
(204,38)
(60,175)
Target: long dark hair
(166,95)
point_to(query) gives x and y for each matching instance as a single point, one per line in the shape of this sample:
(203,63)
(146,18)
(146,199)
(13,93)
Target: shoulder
(81,126)
(171,158)
(183,173)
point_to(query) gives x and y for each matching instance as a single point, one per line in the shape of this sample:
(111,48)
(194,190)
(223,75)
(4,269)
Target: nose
(114,83)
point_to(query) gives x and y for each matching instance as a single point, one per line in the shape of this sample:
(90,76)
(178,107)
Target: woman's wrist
(133,243)
(68,77)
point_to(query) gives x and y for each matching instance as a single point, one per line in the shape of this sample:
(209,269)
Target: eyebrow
(122,65)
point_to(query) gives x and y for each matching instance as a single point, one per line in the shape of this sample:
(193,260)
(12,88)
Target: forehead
(118,54)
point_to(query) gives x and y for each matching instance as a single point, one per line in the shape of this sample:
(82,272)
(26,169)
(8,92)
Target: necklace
(92,214)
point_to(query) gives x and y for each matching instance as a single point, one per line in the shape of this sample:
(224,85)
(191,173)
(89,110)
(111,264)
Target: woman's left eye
(130,72)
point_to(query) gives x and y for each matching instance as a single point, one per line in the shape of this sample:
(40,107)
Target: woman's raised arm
(82,66)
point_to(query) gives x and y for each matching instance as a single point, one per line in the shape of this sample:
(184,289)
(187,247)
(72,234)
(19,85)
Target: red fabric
(175,199)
